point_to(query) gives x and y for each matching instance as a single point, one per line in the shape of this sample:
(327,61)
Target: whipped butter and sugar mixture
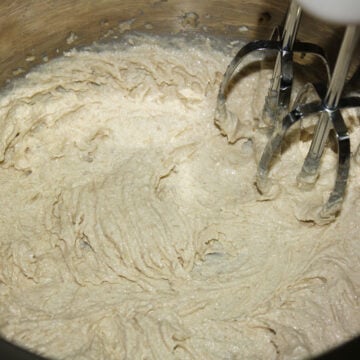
(131,229)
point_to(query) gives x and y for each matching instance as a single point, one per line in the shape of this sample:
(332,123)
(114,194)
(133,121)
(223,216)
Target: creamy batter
(131,229)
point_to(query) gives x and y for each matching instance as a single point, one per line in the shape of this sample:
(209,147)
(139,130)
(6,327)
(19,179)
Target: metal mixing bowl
(31,30)
(34,31)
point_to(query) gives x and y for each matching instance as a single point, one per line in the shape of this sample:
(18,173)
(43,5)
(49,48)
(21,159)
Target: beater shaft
(309,172)
(278,98)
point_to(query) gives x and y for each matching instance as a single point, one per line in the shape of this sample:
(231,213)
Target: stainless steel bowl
(32,32)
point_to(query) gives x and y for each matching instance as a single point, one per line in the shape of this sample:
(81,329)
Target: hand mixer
(278,99)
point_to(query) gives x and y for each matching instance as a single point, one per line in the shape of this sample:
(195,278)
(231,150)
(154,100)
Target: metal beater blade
(330,118)
(283,41)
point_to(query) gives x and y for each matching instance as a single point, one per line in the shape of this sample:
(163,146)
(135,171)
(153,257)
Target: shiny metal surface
(278,98)
(277,105)
(329,105)
(283,42)
(33,29)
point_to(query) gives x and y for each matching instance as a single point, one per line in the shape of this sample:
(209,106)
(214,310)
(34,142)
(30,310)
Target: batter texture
(131,229)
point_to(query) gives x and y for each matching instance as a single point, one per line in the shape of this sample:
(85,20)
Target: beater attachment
(328,107)
(280,115)
(283,42)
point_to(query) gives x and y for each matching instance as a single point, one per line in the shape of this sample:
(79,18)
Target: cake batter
(130,228)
